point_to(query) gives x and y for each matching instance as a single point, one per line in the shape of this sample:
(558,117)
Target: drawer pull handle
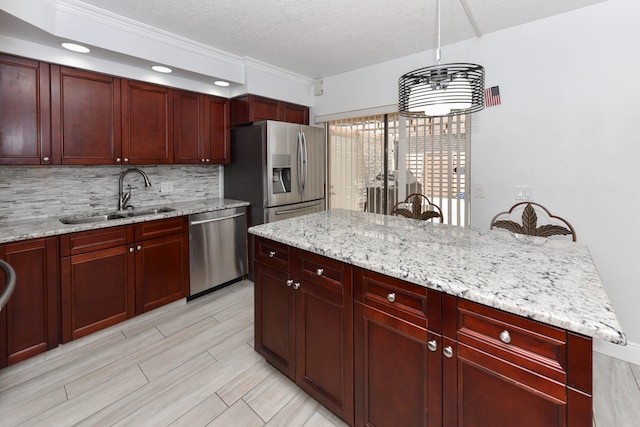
(432,345)
(289,282)
(272,254)
(448,352)
(319,271)
(391,297)
(296,285)
(505,337)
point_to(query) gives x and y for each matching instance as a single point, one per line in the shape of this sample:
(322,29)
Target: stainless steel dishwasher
(217,249)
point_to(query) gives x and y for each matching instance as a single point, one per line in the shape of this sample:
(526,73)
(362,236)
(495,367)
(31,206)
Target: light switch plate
(524,192)
(479,191)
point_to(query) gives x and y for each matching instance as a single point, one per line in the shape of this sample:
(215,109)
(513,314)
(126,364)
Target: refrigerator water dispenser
(281,180)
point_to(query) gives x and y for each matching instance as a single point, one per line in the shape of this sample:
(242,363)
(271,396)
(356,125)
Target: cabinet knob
(139,247)
(432,345)
(208,160)
(289,282)
(448,352)
(131,249)
(126,159)
(272,254)
(505,337)
(319,271)
(45,159)
(201,160)
(118,159)
(391,297)
(296,285)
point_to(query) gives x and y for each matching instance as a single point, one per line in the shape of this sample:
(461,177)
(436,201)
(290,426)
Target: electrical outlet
(166,187)
(524,192)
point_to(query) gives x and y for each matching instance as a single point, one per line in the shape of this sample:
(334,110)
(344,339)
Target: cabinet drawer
(539,347)
(272,253)
(161,227)
(94,240)
(317,268)
(404,300)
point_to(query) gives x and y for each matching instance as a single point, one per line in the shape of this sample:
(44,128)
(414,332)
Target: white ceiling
(316,39)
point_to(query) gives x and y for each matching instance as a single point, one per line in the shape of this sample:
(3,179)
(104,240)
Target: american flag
(492,96)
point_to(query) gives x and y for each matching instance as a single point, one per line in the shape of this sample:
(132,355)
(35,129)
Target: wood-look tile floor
(193,364)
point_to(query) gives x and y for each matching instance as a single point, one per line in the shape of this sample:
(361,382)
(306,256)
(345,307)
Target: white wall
(567,126)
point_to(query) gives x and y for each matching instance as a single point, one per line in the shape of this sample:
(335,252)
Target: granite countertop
(11,231)
(552,281)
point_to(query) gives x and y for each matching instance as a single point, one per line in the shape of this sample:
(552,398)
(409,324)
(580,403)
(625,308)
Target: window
(365,171)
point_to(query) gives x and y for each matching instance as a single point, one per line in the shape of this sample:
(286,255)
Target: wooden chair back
(417,206)
(529,225)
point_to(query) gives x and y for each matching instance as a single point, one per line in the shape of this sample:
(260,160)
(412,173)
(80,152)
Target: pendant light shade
(441,90)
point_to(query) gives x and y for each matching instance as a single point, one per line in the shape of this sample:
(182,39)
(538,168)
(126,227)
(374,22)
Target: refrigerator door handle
(305,161)
(300,163)
(290,211)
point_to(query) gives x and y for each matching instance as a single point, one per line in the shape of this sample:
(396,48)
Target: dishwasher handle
(205,221)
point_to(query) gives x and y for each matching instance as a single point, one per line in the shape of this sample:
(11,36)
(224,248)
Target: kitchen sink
(114,215)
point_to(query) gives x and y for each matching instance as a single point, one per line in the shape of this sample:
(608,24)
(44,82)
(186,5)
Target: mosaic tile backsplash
(31,192)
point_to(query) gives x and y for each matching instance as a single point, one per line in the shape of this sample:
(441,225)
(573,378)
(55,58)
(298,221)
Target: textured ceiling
(320,38)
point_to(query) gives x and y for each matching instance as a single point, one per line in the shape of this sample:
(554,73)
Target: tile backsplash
(30,192)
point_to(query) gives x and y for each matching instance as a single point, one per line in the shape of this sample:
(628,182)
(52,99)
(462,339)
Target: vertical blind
(423,155)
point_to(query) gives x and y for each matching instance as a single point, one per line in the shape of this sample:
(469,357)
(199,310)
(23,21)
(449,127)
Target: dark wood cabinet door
(147,123)
(274,317)
(29,322)
(493,392)
(97,290)
(25,131)
(217,135)
(85,112)
(398,379)
(294,113)
(188,127)
(324,330)
(162,271)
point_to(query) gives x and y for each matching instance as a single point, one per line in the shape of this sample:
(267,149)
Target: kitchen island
(513,317)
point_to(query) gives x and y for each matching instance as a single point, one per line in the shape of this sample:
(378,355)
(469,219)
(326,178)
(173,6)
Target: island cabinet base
(412,356)
(304,322)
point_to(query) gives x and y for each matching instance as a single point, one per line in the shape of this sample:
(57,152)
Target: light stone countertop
(552,281)
(11,231)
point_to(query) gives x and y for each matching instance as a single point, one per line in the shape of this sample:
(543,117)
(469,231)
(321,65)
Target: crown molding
(251,63)
(137,28)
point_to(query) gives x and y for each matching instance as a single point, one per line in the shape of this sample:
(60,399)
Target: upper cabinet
(200,128)
(147,123)
(25,136)
(85,117)
(253,108)
(52,114)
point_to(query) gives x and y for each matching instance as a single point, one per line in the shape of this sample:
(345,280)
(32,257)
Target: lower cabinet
(525,363)
(161,263)
(413,356)
(304,322)
(97,272)
(29,321)
(112,274)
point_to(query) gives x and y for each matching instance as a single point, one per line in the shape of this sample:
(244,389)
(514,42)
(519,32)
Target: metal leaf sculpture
(530,227)
(416,211)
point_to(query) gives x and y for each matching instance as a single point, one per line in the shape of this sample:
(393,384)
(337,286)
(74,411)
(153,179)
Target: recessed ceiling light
(221,83)
(75,47)
(161,69)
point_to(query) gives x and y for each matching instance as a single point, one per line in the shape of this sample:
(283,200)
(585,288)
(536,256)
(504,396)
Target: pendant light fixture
(441,90)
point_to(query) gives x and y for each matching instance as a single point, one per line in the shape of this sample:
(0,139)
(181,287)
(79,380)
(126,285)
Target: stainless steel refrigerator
(279,168)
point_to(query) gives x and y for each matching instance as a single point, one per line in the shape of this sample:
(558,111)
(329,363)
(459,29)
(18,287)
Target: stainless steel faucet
(123,198)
